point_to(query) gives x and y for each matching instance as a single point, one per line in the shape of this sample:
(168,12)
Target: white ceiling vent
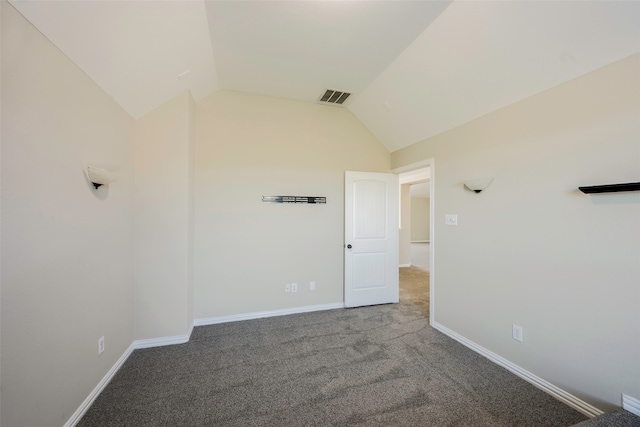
(333,97)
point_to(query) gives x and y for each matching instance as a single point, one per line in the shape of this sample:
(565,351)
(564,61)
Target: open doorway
(420,215)
(415,236)
(415,218)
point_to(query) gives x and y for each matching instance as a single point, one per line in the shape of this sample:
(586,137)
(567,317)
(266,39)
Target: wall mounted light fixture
(478,185)
(99,177)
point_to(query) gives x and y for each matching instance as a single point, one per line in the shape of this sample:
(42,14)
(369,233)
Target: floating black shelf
(611,188)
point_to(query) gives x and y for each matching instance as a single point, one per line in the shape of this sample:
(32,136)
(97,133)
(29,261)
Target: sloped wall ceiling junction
(415,68)
(477,57)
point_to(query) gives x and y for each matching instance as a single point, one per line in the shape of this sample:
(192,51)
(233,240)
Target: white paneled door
(371,239)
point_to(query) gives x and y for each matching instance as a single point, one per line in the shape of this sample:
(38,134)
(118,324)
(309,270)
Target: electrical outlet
(312,286)
(100,346)
(287,288)
(517,333)
(294,287)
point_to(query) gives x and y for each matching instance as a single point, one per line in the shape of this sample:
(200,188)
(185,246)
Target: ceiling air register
(333,97)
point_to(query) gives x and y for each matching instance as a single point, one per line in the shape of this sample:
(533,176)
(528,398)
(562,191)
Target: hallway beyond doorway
(420,255)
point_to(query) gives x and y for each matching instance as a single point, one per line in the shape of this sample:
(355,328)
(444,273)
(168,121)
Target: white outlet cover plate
(517,333)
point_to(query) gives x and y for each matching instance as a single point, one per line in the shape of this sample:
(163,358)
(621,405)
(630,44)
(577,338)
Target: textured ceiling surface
(415,68)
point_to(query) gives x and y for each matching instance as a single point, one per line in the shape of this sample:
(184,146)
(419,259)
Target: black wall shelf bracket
(611,188)
(313,200)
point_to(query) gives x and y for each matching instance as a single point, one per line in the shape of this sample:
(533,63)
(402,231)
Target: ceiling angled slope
(416,68)
(136,51)
(480,56)
(297,49)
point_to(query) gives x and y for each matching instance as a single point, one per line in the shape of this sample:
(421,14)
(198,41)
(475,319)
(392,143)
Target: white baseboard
(404,265)
(159,342)
(558,393)
(631,404)
(263,314)
(75,418)
(162,341)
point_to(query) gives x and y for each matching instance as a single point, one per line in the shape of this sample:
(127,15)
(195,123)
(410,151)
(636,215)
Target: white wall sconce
(99,177)
(478,185)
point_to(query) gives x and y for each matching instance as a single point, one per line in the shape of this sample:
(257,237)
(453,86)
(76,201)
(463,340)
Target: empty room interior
(144,143)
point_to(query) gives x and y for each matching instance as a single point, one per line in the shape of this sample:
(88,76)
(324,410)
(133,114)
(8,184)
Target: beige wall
(533,250)
(67,249)
(248,146)
(164,220)
(420,217)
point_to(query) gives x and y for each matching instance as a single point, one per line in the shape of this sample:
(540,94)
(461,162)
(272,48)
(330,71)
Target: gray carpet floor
(619,418)
(372,366)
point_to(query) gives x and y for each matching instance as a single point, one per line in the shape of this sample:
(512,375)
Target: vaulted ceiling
(415,68)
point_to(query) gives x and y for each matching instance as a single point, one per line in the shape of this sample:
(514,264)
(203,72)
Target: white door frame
(432,236)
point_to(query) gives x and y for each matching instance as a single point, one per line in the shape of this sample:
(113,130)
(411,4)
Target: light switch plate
(451,219)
